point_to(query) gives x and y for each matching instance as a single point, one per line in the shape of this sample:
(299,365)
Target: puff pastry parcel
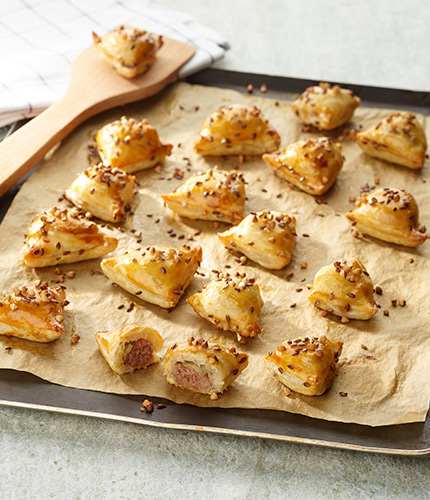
(235,130)
(128,50)
(61,236)
(130,145)
(326,107)
(213,195)
(33,313)
(106,192)
(307,365)
(230,303)
(265,237)
(157,274)
(130,348)
(399,138)
(200,367)
(345,289)
(389,214)
(310,164)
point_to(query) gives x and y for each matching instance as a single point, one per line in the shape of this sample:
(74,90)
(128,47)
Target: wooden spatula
(94,87)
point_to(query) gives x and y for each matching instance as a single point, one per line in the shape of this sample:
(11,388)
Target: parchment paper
(386,384)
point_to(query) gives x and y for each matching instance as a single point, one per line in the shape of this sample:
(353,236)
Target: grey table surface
(47,455)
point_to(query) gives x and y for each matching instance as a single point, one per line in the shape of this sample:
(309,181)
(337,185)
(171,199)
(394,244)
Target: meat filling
(190,377)
(140,354)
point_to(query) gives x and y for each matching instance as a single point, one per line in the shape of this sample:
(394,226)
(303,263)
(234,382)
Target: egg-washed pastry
(236,130)
(213,195)
(307,365)
(33,313)
(231,303)
(106,192)
(326,107)
(200,367)
(157,274)
(344,288)
(310,164)
(389,214)
(131,348)
(62,236)
(130,145)
(399,138)
(267,238)
(130,51)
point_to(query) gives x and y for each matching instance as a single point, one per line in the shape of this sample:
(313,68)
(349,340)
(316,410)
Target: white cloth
(40,38)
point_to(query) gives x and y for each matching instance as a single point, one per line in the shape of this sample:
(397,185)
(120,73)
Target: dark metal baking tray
(20,389)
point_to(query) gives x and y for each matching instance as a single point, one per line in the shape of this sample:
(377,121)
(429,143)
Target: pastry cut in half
(130,145)
(217,195)
(326,107)
(312,164)
(130,51)
(231,303)
(237,130)
(106,192)
(156,274)
(267,238)
(399,138)
(62,236)
(33,313)
(388,214)
(131,348)
(305,365)
(344,288)
(201,367)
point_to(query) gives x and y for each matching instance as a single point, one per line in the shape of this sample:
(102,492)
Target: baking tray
(20,389)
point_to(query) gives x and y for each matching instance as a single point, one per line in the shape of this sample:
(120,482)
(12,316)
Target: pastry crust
(307,365)
(131,348)
(310,164)
(213,195)
(128,50)
(200,367)
(389,214)
(345,289)
(62,236)
(265,237)
(157,274)
(399,138)
(235,130)
(106,192)
(230,303)
(326,107)
(33,313)
(130,145)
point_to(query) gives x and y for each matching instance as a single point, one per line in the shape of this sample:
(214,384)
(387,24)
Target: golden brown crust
(235,130)
(390,215)
(326,107)
(310,164)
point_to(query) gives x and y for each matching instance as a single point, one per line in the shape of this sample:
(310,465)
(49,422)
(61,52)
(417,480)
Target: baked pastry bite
(33,313)
(213,195)
(307,365)
(131,348)
(326,107)
(130,51)
(267,238)
(388,214)
(344,288)
(237,130)
(106,192)
(399,138)
(62,236)
(130,145)
(231,303)
(157,274)
(200,367)
(310,164)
